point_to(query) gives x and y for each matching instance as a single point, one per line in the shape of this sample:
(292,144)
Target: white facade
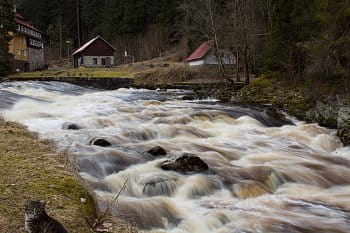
(196,62)
(96,61)
(210,59)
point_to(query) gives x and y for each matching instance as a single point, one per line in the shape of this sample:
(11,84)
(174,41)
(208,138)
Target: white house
(204,55)
(94,53)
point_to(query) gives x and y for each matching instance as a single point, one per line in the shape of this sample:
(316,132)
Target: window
(95,61)
(19,52)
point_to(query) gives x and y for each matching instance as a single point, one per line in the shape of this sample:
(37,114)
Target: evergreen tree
(6,26)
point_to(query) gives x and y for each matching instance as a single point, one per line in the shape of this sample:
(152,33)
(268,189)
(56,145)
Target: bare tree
(204,17)
(246,30)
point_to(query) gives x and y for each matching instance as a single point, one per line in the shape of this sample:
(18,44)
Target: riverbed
(264,174)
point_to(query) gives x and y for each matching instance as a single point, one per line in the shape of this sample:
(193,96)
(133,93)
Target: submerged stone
(249,189)
(158,186)
(187,163)
(157,151)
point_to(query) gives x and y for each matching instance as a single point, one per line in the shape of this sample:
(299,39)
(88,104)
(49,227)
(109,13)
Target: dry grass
(29,169)
(79,72)
(123,71)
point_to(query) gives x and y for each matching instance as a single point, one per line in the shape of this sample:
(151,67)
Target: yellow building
(26,46)
(18,47)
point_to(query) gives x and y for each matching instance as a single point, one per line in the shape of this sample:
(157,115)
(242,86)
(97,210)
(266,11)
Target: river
(264,175)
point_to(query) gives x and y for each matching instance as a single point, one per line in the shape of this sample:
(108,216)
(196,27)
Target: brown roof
(200,52)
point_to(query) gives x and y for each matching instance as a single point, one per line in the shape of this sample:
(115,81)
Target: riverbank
(31,169)
(325,103)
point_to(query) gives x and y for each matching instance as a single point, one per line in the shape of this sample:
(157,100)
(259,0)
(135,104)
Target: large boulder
(100,142)
(187,163)
(344,125)
(157,151)
(344,134)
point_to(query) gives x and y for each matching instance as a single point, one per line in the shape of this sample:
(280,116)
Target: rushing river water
(263,176)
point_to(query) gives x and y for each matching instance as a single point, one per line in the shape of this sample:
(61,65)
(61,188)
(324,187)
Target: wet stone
(188,97)
(101,142)
(187,163)
(157,151)
(70,126)
(278,118)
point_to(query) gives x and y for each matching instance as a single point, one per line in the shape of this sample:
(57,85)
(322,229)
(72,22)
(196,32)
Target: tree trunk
(216,43)
(246,66)
(237,65)
(78,21)
(60,31)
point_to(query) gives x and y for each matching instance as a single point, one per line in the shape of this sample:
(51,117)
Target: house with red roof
(97,52)
(204,55)
(27,46)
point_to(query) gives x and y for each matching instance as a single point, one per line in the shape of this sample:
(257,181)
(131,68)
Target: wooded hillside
(297,39)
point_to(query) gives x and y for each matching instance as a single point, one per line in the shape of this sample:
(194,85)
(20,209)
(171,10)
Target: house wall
(210,59)
(88,61)
(18,47)
(98,48)
(196,63)
(36,59)
(228,58)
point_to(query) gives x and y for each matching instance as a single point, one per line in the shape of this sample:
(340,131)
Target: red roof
(19,19)
(90,42)
(200,52)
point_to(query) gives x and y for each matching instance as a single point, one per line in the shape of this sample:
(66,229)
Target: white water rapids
(262,177)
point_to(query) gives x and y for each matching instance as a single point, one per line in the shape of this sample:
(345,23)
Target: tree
(205,21)
(6,26)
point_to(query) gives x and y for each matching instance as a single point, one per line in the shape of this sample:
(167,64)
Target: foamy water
(263,176)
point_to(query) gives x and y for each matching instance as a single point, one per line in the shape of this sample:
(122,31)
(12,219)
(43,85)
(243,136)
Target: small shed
(94,53)
(204,55)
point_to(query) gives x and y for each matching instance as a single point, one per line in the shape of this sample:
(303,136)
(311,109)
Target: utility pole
(78,21)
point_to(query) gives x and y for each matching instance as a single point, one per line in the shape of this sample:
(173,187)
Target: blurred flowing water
(264,175)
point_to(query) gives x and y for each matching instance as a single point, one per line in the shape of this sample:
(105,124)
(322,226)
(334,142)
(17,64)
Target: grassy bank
(263,90)
(325,102)
(30,169)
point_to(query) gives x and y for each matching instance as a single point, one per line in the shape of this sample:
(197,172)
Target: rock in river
(100,142)
(187,163)
(70,126)
(157,151)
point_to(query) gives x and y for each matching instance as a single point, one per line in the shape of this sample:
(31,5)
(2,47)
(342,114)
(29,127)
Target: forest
(296,39)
